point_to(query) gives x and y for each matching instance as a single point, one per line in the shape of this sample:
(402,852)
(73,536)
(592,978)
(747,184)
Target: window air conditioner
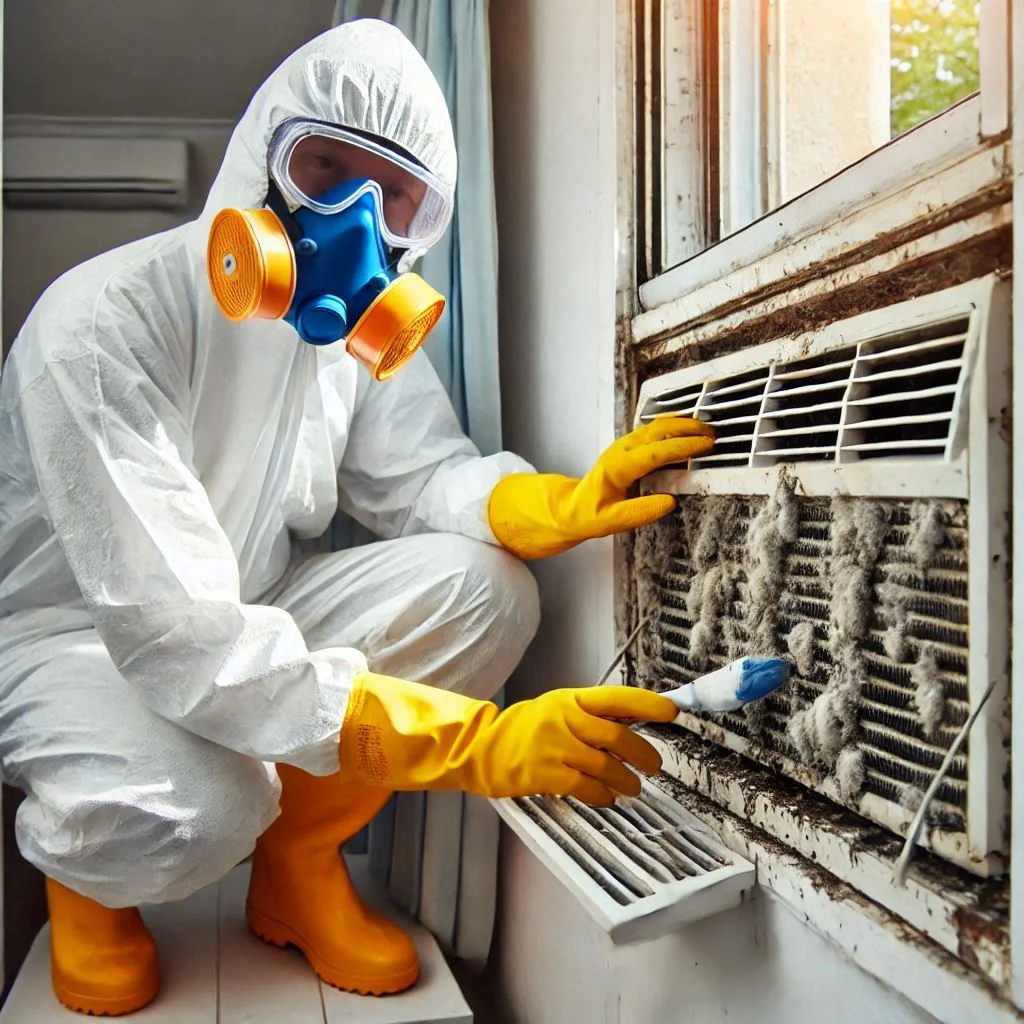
(854,515)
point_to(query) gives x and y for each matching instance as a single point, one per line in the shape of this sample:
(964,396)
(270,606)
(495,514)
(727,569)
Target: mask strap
(276,203)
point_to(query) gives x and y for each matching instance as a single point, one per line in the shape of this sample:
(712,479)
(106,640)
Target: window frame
(815,229)
(689,242)
(671,304)
(1015,44)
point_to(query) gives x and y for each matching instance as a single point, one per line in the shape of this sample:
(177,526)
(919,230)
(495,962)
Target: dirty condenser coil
(854,517)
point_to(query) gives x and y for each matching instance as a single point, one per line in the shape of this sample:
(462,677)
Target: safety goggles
(309,159)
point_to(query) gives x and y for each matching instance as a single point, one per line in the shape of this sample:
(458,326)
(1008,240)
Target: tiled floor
(216,972)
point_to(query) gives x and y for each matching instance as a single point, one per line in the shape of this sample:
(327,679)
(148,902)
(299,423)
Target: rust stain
(1006,425)
(984,940)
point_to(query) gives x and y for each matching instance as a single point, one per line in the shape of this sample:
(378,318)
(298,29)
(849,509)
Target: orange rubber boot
(102,961)
(300,893)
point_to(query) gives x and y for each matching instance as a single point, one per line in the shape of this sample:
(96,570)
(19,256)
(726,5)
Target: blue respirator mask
(327,266)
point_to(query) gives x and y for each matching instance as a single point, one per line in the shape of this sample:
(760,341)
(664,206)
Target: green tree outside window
(934,58)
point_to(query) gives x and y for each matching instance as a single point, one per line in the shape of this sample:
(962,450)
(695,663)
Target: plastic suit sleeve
(408,467)
(158,573)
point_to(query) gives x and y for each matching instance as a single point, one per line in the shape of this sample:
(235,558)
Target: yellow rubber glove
(534,515)
(407,736)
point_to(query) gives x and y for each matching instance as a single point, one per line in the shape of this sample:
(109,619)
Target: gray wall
(148,58)
(555,189)
(178,68)
(40,245)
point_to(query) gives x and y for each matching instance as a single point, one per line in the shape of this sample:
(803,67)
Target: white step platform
(216,972)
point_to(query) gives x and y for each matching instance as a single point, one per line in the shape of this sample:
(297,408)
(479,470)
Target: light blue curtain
(438,852)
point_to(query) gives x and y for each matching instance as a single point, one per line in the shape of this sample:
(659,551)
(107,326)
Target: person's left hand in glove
(538,514)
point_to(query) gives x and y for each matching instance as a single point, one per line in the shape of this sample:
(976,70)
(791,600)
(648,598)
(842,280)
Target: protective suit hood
(363,75)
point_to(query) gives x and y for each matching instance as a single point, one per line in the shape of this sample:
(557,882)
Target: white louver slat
(886,397)
(642,868)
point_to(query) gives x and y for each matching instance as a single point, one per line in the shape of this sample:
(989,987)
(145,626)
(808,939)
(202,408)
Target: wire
(621,652)
(899,870)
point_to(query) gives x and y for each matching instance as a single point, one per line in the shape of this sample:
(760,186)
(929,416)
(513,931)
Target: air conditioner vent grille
(642,868)
(626,849)
(893,396)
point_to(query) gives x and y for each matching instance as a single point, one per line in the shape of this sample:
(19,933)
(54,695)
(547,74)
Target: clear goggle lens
(309,159)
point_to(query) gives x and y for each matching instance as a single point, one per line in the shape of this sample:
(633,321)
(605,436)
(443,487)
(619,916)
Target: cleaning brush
(728,689)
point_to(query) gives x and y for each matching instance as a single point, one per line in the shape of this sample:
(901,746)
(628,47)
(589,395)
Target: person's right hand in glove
(408,736)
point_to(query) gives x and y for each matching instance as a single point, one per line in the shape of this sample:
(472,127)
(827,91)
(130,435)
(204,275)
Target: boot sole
(275,933)
(104,1006)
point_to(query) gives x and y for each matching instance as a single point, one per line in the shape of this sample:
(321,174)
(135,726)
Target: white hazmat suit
(162,643)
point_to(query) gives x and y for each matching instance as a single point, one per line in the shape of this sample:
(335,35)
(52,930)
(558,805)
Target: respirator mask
(341,211)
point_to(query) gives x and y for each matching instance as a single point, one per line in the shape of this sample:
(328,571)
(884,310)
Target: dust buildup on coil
(866,597)
(708,597)
(911,797)
(773,529)
(894,598)
(652,555)
(928,532)
(850,772)
(820,731)
(926,537)
(929,693)
(800,643)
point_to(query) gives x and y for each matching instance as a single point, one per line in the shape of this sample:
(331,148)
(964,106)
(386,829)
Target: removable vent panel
(869,598)
(895,396)
(641,868)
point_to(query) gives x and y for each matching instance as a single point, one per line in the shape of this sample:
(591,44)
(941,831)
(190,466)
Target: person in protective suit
(179,686)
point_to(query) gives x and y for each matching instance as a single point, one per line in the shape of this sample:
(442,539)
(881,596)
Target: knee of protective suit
(127,845)
(501,607)
(513,577)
